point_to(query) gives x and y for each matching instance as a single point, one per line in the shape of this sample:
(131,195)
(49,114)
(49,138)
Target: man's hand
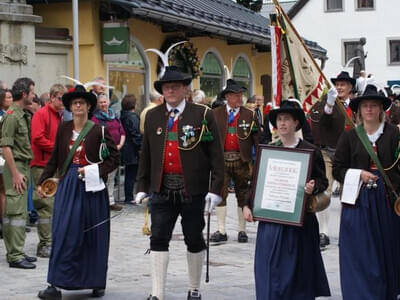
(212,200)
(248,216)
(19,182)
(139,197)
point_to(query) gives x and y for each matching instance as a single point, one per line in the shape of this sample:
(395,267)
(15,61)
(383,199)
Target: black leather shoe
(242,237)
(22,264)
(97,293)
(31,259)
(218,237)
(194,295)
(323,240)
(152,298)
(51,293)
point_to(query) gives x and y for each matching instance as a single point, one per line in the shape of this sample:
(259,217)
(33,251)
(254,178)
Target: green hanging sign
(115,39)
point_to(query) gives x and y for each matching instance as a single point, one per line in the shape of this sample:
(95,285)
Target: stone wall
(17,40)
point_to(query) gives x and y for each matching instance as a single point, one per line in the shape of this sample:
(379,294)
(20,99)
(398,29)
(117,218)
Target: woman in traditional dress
(288,263)
(369,238)
(80,229)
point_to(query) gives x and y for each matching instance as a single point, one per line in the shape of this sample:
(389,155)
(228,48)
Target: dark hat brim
(354,103)
(226,91)
(89,97)
(351,80)
(297,113)
(158,84)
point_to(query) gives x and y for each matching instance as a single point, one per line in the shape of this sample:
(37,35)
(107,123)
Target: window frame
(250,80)
(344,41)
(327,10)
(357,8)
(221,65)
(389,57)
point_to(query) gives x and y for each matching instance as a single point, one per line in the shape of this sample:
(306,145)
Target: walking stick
(208,248)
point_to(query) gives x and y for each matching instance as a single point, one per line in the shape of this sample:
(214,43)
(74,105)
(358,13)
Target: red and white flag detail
(295,74)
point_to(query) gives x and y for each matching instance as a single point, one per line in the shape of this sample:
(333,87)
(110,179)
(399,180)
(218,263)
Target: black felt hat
(344,76)
(232,87)
(371,92)
(288,106)
(79,92)
(172,74)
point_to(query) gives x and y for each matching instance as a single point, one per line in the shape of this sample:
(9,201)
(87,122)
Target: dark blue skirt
(288,262)
(79,260)
(369,247)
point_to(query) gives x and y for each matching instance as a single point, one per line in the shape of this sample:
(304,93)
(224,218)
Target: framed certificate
(278,184)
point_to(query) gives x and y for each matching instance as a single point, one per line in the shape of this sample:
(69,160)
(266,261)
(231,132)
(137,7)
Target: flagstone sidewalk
(231,264)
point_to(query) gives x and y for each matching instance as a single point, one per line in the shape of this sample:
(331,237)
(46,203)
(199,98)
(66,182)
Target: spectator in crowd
(155,99)
(36,104)
(45,123)
(17,153)
(219,101)
(3,85)
(44,98)
(81,238)
(130,150)
(105,116)
(199,97)
(98,89)
(5,102)
(251,103)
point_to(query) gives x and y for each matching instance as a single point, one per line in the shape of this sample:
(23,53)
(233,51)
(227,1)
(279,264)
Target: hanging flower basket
(186,54)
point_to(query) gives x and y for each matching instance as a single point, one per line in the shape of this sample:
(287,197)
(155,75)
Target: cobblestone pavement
(231,264)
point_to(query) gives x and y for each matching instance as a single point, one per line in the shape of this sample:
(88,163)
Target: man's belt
(173,182)
(231,156)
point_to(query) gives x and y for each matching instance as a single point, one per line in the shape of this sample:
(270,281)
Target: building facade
(224,40)
(338,26)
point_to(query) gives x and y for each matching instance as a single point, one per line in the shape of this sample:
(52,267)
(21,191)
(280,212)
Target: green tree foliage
(254,5)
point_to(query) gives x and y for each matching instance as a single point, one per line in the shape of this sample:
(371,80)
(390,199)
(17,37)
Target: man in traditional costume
(239,132)
(328,123)
(181,165)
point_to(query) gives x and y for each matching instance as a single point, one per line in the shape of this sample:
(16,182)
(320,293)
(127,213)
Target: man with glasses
(181,165)
(44,129)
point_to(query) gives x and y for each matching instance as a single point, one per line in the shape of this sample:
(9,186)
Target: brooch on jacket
(188,135)
(189,141)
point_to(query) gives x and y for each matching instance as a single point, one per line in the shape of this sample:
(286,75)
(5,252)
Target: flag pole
(327,82)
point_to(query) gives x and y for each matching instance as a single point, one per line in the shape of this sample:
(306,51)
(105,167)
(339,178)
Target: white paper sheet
(280,186)
(93,181)
(351,186)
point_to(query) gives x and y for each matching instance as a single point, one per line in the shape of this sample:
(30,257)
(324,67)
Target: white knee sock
(221,217)
(195,266)
(159,265)
(241,220)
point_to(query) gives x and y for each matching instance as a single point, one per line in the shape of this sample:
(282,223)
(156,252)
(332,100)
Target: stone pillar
(17,40)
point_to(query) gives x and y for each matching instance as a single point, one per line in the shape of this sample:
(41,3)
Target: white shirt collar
(375,136)
(228,108)
(180,107)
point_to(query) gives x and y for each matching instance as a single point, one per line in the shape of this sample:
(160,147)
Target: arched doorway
(130,77)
